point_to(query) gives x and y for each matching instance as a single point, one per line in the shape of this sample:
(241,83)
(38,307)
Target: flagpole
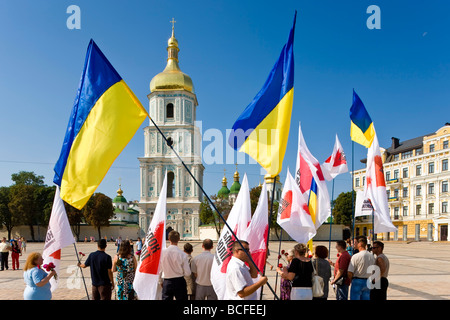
(170,144)
(331,221)
(268,230)
(353,191)
(278,258)
(82,276)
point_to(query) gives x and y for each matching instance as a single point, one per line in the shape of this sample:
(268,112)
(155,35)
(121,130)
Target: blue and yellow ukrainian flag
(313,207)
(105,116)
(361,129)
(262,129)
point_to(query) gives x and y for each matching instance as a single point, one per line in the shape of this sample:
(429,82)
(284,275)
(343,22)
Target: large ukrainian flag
(262,129)
(361,128)
(105,116)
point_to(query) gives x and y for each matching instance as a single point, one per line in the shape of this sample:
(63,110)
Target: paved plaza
(418,271)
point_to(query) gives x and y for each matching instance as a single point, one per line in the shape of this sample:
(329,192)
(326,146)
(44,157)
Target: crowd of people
(187,277)
(355,270)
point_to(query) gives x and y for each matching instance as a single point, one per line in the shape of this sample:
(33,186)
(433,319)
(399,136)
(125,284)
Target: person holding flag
(239,277)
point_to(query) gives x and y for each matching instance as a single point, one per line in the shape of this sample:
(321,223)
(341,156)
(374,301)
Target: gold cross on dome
(173,23)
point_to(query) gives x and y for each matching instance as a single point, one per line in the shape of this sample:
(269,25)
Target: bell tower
(172,106)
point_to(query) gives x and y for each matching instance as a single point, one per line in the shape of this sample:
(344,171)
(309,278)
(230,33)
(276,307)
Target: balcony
(393,199)
(393,182)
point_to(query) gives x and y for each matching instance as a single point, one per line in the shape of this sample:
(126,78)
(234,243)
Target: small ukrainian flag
(361,129)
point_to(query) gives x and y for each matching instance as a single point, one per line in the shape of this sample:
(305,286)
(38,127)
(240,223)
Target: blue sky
(401,72)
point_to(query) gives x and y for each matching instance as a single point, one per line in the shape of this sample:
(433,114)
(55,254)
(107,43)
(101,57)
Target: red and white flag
(256,233)
(336,163)
(306,169)
(147,272)
(59,235)
(375,189)
(293,214)
(238,220)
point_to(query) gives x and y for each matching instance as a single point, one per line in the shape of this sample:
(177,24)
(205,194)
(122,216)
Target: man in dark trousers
(175,266)
(101,274)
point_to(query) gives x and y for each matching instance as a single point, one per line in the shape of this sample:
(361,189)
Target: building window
(396,210)
(357,182)
(445,165)
(419,151)
(431,208)
(169,111)
(444,186)
(396,174)
(431,167)
(431,188)
(170,184)
(444,207)
(445,144)
(419,170)
(364,181)
(407,154)
(405,191)
(418,209)
(405,172)
(418,190)
(395,193)
(388,175)
(432,147)
(396,157)
(405,211)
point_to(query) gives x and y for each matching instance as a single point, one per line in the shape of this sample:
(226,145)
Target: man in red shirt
(341,280)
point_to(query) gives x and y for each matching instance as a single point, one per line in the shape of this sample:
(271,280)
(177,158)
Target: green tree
(98,210)
(75,217)
(27,178)
(342,212)
(23,207)
(6,217)
(30,201)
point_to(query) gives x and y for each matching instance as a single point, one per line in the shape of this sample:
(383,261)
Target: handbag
(317,283)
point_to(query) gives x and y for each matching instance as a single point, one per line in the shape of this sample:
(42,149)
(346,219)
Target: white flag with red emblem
(238,220)
(375,189)
(293,213)
(336,163)
(59,235)
(146,279)
(308,170)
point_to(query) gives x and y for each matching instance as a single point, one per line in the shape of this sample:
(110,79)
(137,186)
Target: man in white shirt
(201,267)
(358,271)
(239,278)
(175,266)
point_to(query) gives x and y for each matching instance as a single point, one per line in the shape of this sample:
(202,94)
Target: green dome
(224,191)
(235,187)
(119,197)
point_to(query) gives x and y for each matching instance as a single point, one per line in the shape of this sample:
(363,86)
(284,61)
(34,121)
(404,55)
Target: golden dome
(172,78)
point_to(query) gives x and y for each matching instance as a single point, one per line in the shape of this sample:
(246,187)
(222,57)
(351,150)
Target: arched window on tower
(170,184)
(169,111)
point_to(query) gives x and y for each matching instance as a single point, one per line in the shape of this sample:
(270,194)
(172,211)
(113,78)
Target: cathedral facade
(172,106)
